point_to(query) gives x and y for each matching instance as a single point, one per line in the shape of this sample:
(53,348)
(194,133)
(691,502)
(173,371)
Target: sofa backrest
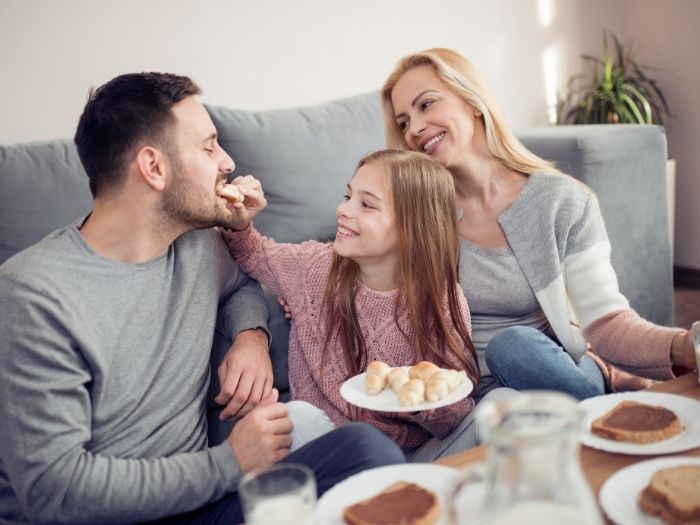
(43,187)
(305,157)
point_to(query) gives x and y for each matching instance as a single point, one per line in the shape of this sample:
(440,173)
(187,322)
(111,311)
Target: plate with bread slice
(641,423)
(424,386)
(654,492)
(408,493)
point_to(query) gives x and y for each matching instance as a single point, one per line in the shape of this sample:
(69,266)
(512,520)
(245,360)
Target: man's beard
(185,202)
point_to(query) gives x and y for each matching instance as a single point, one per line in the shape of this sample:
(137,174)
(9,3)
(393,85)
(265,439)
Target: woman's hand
(683,351)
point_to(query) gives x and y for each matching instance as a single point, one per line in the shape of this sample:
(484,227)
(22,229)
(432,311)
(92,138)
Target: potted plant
(618,90)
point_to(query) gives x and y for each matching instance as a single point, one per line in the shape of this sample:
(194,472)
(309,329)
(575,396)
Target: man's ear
(152,167)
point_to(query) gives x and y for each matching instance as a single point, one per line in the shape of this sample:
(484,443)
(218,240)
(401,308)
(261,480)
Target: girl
(532,241)
(386,289)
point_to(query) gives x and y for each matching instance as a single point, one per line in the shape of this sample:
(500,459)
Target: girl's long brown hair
(422,200)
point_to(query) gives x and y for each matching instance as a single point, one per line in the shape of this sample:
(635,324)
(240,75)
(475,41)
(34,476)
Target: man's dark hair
(127,112)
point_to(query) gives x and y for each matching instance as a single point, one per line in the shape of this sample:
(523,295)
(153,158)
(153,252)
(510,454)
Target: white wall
(275,53)
(668,35)
(265,54)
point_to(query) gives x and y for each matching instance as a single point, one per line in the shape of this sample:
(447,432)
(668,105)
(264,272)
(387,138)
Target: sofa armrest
(279,329)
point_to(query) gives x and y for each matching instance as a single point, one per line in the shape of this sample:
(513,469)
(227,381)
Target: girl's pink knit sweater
(298,272)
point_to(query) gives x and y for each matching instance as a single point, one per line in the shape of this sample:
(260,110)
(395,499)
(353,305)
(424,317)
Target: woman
(532,242)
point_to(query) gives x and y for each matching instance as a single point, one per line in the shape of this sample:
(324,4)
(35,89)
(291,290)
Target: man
(107,325)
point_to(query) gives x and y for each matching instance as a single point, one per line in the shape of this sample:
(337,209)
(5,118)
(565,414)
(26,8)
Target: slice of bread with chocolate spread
(637,423)
(401,503)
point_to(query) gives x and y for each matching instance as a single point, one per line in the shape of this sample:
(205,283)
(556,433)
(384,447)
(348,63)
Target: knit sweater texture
(299,273)
(558,235)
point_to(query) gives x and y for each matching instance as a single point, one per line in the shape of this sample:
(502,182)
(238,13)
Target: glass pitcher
(532,474)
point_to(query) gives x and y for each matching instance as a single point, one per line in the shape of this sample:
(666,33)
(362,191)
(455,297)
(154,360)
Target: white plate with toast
(687,410)
(619,494)
(436,478)
(354,392)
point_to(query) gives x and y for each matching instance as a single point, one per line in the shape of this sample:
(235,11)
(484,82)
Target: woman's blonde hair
(421,196)
(460,76)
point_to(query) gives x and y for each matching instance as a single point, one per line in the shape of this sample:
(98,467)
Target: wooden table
(598,465)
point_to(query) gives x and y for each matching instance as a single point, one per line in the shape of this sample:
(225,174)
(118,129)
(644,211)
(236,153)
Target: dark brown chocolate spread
(407,503)
(637,417)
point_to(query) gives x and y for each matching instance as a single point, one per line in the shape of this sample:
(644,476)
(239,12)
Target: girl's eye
(367,205)
(346,197)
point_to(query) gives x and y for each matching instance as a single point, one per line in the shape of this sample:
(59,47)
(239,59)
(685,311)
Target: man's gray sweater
(104,368)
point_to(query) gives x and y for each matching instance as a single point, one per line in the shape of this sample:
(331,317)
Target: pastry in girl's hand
(412,393)
(231,193)
(375,380)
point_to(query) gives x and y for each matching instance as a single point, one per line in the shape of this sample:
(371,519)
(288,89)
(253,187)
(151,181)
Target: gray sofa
(305,156)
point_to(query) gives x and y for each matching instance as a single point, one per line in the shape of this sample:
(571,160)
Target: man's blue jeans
(524,358)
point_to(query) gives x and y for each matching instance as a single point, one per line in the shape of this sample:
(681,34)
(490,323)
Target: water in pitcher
(532,474)
(538,513)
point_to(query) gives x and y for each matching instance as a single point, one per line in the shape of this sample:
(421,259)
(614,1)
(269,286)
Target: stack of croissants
(424,381)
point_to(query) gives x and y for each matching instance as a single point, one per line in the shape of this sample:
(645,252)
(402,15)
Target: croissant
(375,381)
(412,393)
(397,378)
(423,370)
(443,382)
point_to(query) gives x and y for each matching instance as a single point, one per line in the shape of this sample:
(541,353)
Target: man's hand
(244,212)
(262,437)
(245,374)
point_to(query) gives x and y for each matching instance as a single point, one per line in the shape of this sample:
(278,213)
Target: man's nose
(227,165)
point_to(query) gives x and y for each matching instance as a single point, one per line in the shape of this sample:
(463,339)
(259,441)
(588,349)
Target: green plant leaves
(617,90)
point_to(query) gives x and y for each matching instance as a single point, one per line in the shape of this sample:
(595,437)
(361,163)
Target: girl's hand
(254,202)
(285,307)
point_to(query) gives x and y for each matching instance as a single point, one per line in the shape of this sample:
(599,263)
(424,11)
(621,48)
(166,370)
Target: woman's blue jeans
(524,358)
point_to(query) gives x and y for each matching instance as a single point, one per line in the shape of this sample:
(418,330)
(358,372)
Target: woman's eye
(426,104)
(402,125)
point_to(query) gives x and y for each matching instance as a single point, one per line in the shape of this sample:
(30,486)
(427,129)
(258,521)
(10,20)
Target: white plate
(687,410)
(618,495)
(354,392)
(368,483)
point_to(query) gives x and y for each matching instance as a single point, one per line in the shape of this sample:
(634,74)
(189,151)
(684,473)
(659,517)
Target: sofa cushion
(44,187)
(304,157)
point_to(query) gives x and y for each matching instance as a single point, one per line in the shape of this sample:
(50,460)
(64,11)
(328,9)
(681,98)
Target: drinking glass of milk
(284,494)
